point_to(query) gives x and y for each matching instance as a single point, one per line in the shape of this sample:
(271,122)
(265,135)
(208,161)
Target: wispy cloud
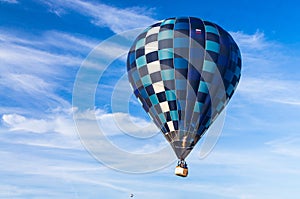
(27,86)
(45,50)
(116,127)
(42,151)
(265,58)
(34,67)
(55,129)
(117,19)
(266,72)
(288,146)
(35,70)
(255,41)
(57,124)
(33,165)
(266,90)
(9,1)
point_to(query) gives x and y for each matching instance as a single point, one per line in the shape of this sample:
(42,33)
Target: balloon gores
(184,70)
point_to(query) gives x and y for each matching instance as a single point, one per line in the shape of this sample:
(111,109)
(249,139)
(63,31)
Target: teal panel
(198,107)
(141,61)
(170,94)
(166,34)
(166,53)
(140,43)
(174,115)
(167,74)
(209,66)
(212,46)
(169,21)
(203,87)
(162,118)
(211,29)
(146,80)
(153,99)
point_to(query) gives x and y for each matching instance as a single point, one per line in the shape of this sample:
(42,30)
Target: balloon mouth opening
(182,142)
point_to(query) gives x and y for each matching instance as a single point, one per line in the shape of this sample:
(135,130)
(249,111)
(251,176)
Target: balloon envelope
(184,71)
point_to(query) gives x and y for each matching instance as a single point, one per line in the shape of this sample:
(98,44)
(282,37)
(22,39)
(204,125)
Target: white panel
(158,87)
(164,106)
(153,67)
(151,47)
(171,126)
(153,31)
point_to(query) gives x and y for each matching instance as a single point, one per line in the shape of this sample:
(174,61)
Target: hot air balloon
(184,70)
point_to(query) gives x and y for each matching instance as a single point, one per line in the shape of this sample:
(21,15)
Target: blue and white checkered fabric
(184,71)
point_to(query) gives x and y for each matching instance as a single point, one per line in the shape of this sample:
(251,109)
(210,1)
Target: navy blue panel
(166,64)
(140,52)
(161,97)
(151,57)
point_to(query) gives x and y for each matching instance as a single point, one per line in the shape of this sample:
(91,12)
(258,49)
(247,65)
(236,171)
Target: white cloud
(131,125)
(52,168)
(67,41)
(36,87)
(102,15)
(266,90)
(250,42)
(55,130)
(266,70)
(48,40)
(9,1)
(113,125)
(288,146)
(25,83)
(262,57)
(34,54)
(56,123)
(33,67)
(258,167)
(13,191)
(253,171)
(126,153)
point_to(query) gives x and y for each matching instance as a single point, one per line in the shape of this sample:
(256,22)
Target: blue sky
(44,44)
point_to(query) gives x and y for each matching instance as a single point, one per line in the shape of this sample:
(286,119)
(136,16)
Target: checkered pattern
(176,67)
